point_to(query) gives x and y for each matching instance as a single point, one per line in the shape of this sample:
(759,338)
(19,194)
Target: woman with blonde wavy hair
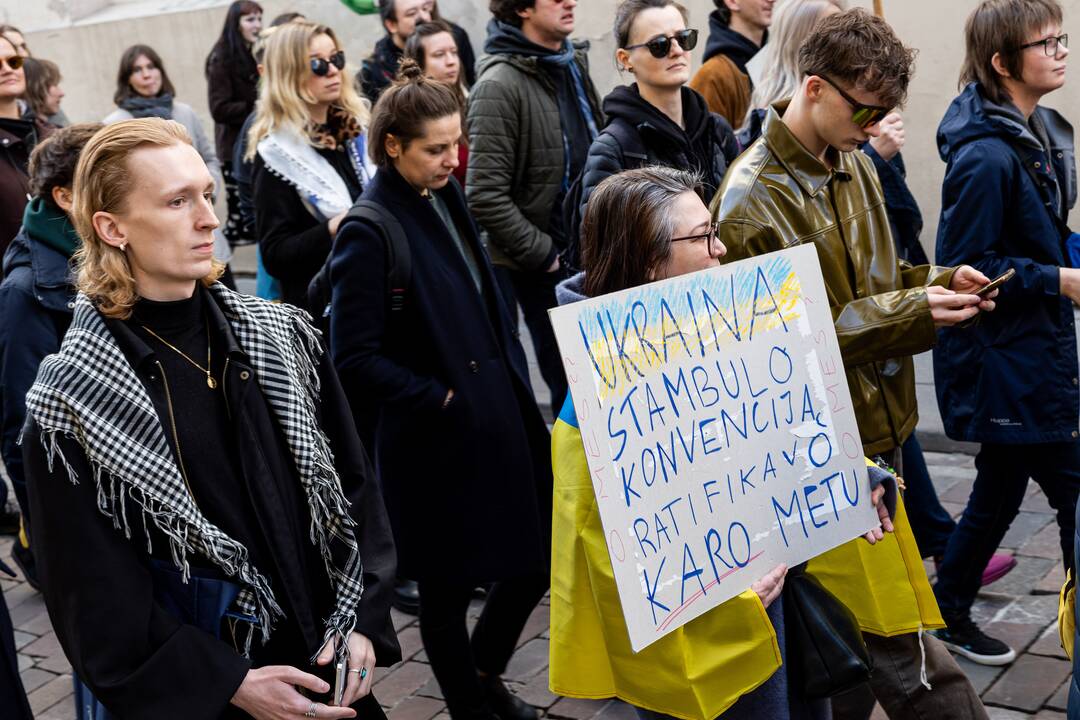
(308,149)
(201,498)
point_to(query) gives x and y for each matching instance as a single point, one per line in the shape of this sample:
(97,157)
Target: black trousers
(454,658)
(12,696)
(535,292)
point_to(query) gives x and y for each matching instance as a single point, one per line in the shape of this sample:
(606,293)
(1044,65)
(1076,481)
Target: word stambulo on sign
(719,432)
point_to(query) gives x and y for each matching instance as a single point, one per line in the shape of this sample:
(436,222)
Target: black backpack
(398,262)
(634,156)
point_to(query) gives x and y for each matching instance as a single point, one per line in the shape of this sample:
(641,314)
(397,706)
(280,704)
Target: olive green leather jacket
(776,195)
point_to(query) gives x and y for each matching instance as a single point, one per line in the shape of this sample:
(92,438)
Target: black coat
(707,144)
(17,141)
(138,659)
(293,243)
(36,301)
(232,88)
(468,486)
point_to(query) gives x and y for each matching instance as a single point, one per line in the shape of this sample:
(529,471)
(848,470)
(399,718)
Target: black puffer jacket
(707,145)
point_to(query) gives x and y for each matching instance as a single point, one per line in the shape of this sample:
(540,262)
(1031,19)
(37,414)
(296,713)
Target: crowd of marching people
(222,495)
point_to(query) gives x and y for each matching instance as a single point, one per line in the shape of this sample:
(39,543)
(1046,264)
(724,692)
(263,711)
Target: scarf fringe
(227,554)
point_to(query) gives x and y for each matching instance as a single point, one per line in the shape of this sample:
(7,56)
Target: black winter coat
(707,145)
(137,658)
(293,243)
(468,487)
(36,301)
(232,88)
(17,141)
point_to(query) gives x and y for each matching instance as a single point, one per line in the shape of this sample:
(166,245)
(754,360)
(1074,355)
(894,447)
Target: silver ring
(311,711)
(362,672)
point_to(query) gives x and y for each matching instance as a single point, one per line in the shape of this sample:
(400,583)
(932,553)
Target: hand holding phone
(341,678)
(996,283)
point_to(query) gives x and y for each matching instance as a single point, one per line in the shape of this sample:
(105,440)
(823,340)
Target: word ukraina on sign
(718,429)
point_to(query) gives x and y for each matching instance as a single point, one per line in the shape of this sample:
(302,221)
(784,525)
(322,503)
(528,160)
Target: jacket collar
(809,172)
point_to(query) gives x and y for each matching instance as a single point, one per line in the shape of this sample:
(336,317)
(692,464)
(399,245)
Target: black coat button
(474,367)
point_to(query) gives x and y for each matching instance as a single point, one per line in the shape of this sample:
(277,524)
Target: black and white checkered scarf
(88,391)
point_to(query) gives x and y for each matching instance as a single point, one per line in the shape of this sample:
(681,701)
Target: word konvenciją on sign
(718,429)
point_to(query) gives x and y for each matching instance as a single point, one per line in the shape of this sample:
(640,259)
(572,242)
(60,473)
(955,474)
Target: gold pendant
(211,382)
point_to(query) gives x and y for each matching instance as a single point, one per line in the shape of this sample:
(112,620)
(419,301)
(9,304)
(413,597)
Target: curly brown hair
(860,50)
(52,163)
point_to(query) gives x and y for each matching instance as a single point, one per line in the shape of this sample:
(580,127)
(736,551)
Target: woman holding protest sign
(460,446)
(642,226)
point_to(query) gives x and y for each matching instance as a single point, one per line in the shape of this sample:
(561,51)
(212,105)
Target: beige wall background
(88,52)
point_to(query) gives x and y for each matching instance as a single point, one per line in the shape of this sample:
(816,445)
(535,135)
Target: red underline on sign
(701,593)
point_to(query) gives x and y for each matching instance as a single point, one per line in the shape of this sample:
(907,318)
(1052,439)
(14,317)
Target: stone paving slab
(1020,608)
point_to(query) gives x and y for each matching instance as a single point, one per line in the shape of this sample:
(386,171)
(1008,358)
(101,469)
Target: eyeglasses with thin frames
(713,237)
(862,115)
(1050,44)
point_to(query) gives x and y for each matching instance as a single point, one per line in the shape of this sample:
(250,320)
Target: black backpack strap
(629,140)
(398,254)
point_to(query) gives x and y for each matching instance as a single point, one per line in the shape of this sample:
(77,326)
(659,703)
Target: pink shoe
(999,566)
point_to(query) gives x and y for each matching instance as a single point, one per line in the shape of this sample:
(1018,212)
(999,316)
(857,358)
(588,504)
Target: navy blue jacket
(1012,378)
(467,486)
(36,304)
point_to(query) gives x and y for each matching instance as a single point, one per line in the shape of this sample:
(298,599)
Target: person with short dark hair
(737,30)
(399,18)
(804,181)
(232,86)
(1010,382)
(35,300)
(461,449)
(533,114)
(666,120)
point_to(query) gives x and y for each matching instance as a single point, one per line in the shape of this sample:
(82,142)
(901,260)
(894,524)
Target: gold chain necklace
(210,381)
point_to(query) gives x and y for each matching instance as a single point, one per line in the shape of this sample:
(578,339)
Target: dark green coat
(516,155)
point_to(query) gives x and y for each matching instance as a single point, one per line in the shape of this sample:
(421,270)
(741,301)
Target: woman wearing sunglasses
(19,133)
(308,150)
(657,120)
(641,226)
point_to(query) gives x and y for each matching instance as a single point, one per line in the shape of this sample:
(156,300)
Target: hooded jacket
(707,145)
(518,170)
(722,79)
(1006,196)
(777,194)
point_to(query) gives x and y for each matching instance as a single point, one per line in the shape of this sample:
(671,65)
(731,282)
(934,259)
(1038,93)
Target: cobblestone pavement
(1021,609)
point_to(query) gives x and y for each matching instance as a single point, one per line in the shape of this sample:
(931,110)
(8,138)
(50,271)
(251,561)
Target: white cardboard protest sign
(718,429)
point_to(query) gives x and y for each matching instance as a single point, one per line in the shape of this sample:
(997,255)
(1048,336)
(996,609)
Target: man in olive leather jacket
(804,182)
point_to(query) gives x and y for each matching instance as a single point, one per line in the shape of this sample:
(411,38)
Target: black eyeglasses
(659,47)
(14,62)
(713,236)
(862,115)
(1050,44)
(320,67)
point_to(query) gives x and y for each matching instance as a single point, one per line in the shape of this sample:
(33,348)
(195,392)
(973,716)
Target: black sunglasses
(14,62)
(862,115)
(320,67)
(659,47)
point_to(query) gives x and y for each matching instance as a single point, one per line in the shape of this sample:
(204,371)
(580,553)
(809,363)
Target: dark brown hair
(860,50)
(628,224)
(628,10)
(40,76)
(723,11)
(127,66)
(1002,26)
(507,10)
(53,161)
(414,46)
(404,107)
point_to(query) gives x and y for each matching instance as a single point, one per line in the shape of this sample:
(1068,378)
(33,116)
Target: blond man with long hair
(308,145)
(189,447)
